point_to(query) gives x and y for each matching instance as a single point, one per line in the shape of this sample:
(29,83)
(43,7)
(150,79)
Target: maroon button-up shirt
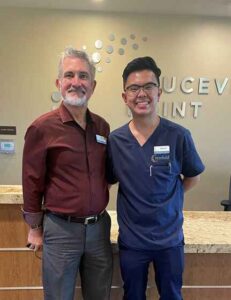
(64,165)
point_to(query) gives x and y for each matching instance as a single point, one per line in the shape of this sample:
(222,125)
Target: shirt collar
(67,117)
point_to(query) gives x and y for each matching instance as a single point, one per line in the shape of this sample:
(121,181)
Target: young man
(64,171)
(155,162)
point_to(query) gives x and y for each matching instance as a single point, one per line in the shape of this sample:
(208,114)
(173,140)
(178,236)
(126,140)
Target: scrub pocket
(161,176)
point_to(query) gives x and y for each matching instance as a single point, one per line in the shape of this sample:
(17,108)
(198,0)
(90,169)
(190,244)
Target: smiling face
(75,83)
(142,93)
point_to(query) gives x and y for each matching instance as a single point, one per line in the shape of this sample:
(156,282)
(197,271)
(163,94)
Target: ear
(159,94)
(94,85)
(124,97)
(58,84)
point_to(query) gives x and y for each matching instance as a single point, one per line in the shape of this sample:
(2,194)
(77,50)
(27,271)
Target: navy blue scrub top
(150,195)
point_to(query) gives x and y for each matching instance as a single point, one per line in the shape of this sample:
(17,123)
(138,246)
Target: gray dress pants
(69,247)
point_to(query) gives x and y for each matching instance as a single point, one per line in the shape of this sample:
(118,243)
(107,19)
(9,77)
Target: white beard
(76,101)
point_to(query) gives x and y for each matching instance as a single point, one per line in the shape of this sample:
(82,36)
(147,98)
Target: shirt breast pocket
(161,176)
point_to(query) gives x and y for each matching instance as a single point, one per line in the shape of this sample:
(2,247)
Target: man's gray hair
(72,52)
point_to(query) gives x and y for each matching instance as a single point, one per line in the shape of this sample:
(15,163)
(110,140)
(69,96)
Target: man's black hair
(139,64)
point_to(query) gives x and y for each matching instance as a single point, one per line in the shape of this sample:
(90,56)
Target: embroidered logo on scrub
(161,153)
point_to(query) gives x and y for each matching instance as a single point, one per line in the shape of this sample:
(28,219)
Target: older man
(65,189)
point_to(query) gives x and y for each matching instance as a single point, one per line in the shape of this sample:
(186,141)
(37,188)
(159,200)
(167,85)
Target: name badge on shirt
(161,153)
(101,139)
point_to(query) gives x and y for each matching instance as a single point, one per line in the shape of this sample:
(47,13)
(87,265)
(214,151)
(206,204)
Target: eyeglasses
(134,89)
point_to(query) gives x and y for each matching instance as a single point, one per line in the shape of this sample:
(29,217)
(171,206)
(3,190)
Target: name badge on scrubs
(101,139)
(161,153)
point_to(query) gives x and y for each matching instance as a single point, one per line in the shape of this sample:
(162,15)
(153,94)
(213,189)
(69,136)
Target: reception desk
(207,261)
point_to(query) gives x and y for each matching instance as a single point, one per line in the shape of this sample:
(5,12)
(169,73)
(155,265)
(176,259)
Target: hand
(35,239)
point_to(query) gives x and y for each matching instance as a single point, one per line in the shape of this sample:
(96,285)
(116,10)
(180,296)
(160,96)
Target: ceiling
(219,8)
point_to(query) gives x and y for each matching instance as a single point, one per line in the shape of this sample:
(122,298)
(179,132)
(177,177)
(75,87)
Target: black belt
(85,220)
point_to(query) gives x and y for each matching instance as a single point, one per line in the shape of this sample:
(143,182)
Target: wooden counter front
(207,263)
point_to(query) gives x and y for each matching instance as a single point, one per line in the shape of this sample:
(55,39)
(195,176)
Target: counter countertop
(205,231)
(11,194)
